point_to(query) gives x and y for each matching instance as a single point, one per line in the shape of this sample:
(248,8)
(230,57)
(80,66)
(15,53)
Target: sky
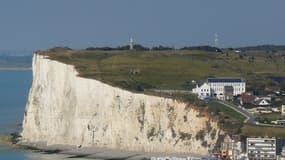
(41,24)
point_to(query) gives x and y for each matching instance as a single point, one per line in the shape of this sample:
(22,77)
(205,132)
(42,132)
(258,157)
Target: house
(203,92)
(247,98)
(283,110)
(263,110)
(262,102)
(231,147)
(221,88)
(261,148)
(227,147)
(218,86)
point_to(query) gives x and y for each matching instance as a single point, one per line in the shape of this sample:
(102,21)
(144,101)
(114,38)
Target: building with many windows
(222,88)
(261,148)
(218,85)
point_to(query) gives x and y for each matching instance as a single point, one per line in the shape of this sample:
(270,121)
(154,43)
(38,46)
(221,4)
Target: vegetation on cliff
(172,69)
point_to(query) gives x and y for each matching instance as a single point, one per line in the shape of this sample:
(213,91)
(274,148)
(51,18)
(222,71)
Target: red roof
(247,97)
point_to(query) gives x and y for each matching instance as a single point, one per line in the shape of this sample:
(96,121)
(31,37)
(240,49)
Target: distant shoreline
(91,152)
(15,68)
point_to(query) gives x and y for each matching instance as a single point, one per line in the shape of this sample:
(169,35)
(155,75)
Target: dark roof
(224,80)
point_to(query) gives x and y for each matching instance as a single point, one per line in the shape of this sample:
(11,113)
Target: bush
(203,48)
(162,48)
(59,49)
(140,88)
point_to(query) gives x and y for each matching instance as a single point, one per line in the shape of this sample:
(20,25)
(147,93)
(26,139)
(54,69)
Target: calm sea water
(14,88)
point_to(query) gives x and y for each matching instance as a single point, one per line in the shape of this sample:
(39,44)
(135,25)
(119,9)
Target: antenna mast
(216,40)
(131,44)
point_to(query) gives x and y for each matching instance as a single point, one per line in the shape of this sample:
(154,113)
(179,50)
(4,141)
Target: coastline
(15,68)
(100,153)
(14,142)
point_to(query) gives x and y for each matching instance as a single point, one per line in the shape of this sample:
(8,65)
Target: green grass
(262,131)
(217,107)
(269,117)
(228,119)
(169,69)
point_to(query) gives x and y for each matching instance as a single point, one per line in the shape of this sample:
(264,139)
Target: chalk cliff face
(66,109)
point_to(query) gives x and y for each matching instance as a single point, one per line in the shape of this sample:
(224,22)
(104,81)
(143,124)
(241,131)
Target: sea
(14,89)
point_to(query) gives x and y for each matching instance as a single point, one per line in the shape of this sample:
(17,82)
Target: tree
(161,48)
(251,59)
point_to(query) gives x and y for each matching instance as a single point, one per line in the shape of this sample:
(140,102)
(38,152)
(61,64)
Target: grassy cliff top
(172,69)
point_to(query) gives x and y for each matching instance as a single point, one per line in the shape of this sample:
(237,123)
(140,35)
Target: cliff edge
(63,108)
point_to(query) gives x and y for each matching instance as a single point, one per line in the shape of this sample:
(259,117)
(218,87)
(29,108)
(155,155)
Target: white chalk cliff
(66,109)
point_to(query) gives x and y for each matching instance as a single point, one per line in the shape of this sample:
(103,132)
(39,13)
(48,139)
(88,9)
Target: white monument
(131,44)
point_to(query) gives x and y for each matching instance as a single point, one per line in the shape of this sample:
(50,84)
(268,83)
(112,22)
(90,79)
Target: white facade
(263,102)
(203,91)
(218,84)
(261,148)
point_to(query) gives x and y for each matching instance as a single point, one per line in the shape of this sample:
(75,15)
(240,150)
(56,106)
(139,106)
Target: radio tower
(131,43)
(216,40)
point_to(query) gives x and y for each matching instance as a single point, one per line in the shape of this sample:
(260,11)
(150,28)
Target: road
(249,116)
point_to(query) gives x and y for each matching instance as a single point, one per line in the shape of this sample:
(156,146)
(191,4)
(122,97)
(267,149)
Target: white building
(231,147)
(283,110)
(262,102)
(204,91)
(218,86)
(261,148)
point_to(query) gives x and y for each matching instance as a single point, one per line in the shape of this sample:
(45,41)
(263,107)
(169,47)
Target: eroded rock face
(66,109)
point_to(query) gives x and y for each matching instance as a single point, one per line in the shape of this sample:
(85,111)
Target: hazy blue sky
(39,24)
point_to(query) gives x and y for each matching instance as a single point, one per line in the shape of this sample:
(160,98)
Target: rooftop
(225,80)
